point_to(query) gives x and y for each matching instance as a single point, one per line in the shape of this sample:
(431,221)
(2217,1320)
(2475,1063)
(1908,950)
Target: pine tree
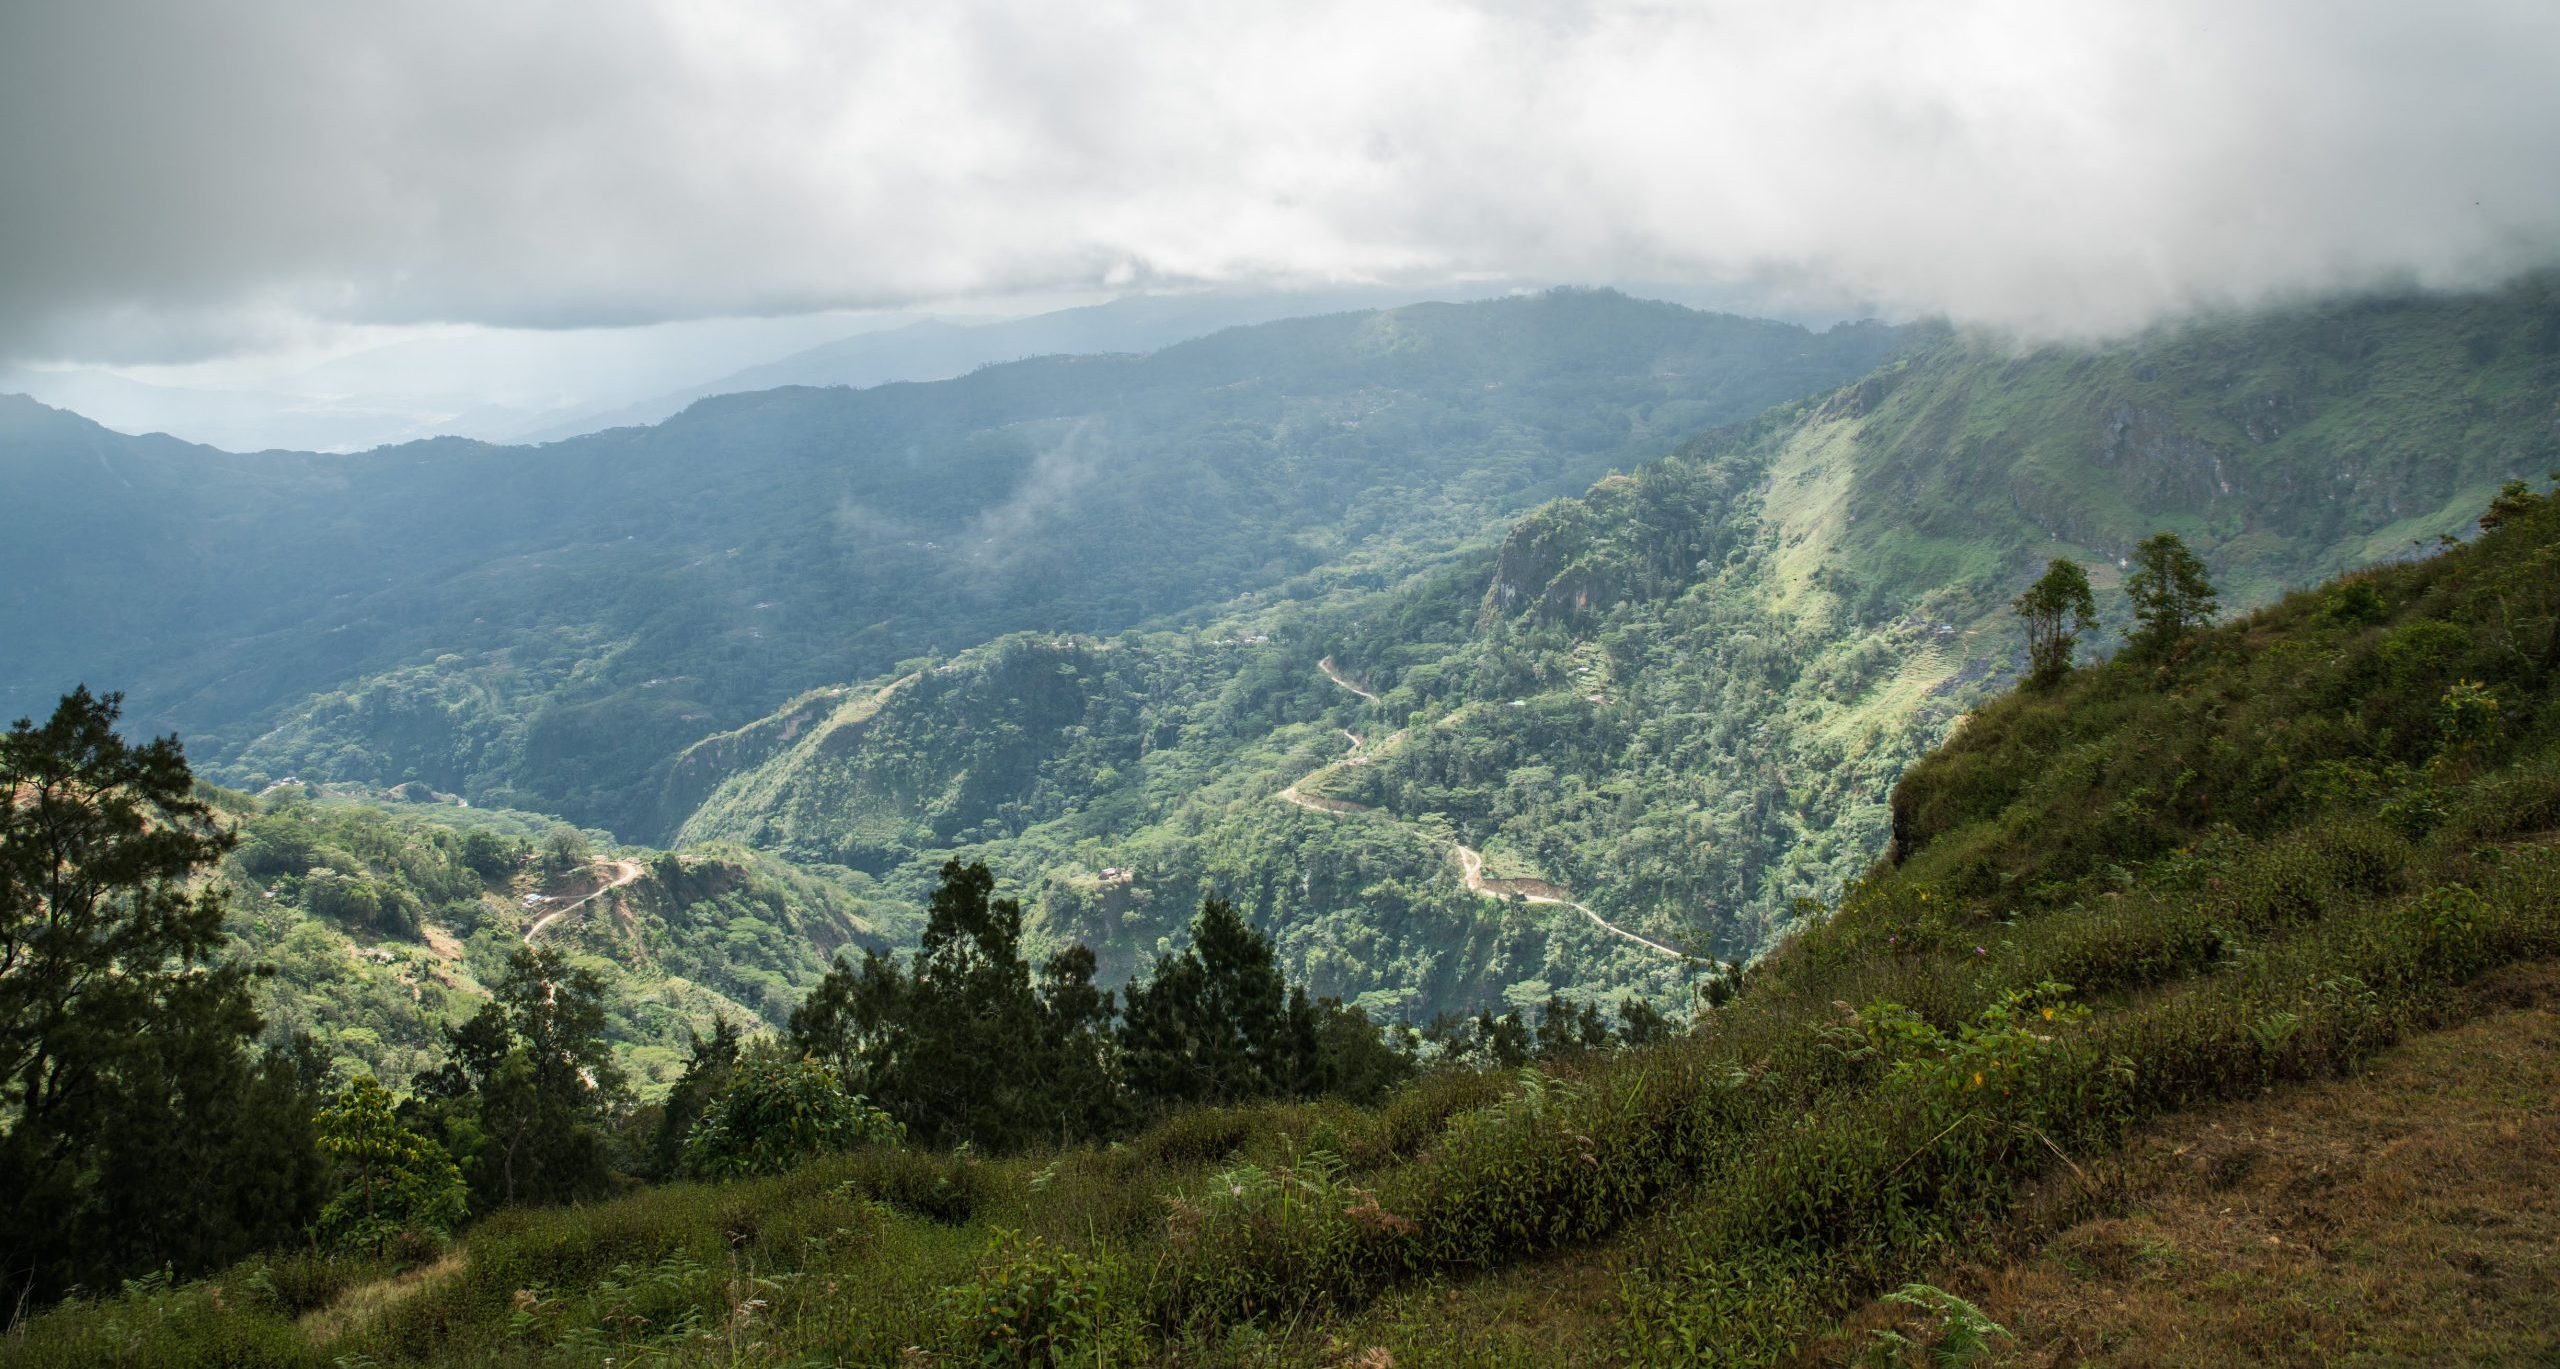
(2171,597)
(1354,1060)
(1503,1041)
(1641,1024)
(1083,1098)
(847,1021)
(1566,1030)
(966,1071)
(2057,609)
(962,1046)
(1217,1023)
(138,1127)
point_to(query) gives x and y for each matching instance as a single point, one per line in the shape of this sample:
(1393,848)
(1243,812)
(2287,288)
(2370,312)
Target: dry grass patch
(365,1303)
(2410,1215)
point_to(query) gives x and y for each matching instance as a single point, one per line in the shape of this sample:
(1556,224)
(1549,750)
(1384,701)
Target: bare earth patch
(2410,1215)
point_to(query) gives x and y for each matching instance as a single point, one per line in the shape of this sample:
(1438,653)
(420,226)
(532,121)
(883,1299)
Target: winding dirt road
(1315,803)
(1471,873)
(1470,860)
(1326,665)
(623,872)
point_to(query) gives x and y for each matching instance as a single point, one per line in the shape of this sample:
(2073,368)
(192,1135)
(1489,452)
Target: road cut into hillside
(1470,861)
(618,874)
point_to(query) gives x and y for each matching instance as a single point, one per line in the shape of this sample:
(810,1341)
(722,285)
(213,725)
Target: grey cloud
(185,178)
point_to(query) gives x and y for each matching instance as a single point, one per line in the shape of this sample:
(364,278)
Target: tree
(847,1019)
(1641,1024)
(1084,1098)
(527,1086)
(565,848)
(776,1113)
(963,1046)
(2513,500)
(138,1127)
(1217,1023)
(489,855)
(1504,1041)
(1354,1060)
(2057,609)
(705,1078)
(392,1183)
(2170,595)
(1566,1030)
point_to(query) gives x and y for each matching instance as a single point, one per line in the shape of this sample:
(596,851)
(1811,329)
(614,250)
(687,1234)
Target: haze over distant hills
(524,386)
(530,386)
(1670,709)
(405,385)
(937,349)
(1444,685)
(545,626)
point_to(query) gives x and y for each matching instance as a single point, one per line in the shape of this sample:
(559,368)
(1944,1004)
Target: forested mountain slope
(546,627)
(2248,859)
(1678,701)
(382,920)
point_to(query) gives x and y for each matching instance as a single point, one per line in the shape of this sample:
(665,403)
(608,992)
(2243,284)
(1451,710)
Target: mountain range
(1481,651)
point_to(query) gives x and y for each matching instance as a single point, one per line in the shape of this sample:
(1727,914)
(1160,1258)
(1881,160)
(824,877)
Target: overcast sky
(182,180)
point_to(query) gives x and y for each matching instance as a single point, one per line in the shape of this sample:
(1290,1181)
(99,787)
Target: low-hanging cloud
(182,179)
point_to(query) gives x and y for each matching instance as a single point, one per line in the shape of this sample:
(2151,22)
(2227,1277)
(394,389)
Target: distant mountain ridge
(1067,615)
(938,349)
(547,627)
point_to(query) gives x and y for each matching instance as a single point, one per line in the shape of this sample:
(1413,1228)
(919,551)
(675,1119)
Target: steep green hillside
(382,922)
(2256,860)
(546,627)
(1674,706)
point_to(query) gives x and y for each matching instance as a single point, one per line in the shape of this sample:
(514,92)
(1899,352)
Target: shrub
(1031,1303)
(777,1113)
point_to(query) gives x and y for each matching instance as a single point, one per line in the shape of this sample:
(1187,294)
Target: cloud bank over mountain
(190,180)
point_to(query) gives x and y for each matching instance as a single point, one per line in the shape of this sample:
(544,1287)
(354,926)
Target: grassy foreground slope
(2402,1214)
(2259,861)
(1681,699)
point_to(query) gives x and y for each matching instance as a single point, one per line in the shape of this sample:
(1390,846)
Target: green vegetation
(776,1113)
(143,1125)
(2170,595)
(547,628)
(1597,745)
(395,1188)
(380,924)
(2056,610)
(528,1087)
(2129,894)
(1499,786)
(966,1048)
(1678,701)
